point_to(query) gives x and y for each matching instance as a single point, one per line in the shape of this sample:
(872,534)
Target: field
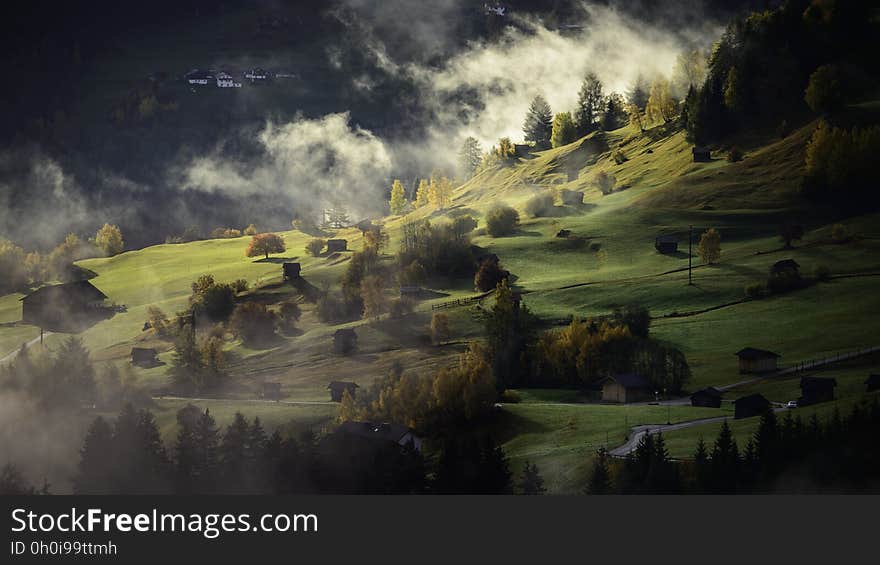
(610,262)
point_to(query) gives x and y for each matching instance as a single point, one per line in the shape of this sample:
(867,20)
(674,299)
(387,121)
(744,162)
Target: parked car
(791,404)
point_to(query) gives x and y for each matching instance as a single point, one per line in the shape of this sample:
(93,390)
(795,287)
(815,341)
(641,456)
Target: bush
(252,323)
(225,233)
(437,248)
(595,246)
(502,221)
(239,285)
(571,197)
(159,322)
(839,233)
(216,302)
(822,273)
(619,157)
(539,205)
(463,225)
(413,274)
(109,240)
(754,290)
(315,246)
(250,230)
(489,275)
(288,315)
(510,397)
(734,155)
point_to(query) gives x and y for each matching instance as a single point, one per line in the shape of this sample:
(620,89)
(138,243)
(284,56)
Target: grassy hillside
(611,262)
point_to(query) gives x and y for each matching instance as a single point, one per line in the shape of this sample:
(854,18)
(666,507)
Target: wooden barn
(64,307)
(338,388)
(709,397)
(382,433)
(751,405)
(816,389)
(144,357)
(625,388)
(344,341)
(753,360)
(336,245)
(666,244)
(290,271)
(701,154)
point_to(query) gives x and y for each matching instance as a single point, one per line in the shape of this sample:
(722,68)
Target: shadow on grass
(506,425)
(276,259)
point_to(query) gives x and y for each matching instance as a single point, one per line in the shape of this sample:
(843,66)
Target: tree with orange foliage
(264,244)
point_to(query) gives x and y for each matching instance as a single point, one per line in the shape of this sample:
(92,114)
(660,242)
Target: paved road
(27,345)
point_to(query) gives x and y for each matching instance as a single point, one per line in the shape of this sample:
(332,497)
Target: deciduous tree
(264,244)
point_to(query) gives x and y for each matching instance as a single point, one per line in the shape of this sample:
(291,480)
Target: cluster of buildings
(225,79)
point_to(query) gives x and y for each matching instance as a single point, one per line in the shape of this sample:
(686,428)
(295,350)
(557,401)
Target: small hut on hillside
(64,307)
(753,360)
(290,271)
(751,405)
(666,244)
(336,245)
(702,154)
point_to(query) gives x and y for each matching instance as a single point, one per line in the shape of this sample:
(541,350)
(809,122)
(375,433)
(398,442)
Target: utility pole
(690,255)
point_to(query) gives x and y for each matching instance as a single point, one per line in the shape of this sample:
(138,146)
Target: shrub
(225,233)
(489,275)
(463,225)
(159,322)
(619,157)
(570,197)
(754,290)
(539,205)
(413,274)
(288,315)
(252,323)
(510,397)
(315,246)
(734,155)
(822,273)
(502,221)
(239,285)
(839,233)
(250,230)
(216,302)
(439,327)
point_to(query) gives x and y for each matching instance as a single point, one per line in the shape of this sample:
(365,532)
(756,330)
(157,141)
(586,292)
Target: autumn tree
(469,157)
(501,221)
(253,323)
(397,203)
(250,230)
(824,92)
(538,124)
(373,296)
(589,104)
(710,246)
(439,190)
(109,240)
(689,71)
(605,182)
(422,194)
(264,244)
(439,327)
(564,131)
(635,117)
(661,105)
(13,274)
(315,246)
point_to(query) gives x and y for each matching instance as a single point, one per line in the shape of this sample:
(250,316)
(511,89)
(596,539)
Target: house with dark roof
(666,244)
(872,383)
(816,389)
(344,341)
(290,271)
(754,360)
(709,397)
(337,389)
(144,357)
(701,154)
(626,387)
(384,433)
(751,405)
(336,245)
(64,307)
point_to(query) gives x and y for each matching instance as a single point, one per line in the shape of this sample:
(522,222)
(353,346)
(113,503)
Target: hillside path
(251,400)
(27,345)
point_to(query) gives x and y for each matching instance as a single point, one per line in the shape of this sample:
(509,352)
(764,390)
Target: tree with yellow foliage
(109,240)
(440,191)
(397,203)
(710,246)
(661,105)
(421,194)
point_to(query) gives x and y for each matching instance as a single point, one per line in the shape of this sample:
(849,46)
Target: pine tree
(638,93)
(186,450)
(538,124)
(701,466)
(397,203)
(589,105)
(600,478)
(725,461)
(531,482)
(233,455)
(95,469)
(494,475)
(469,157)
(206,438)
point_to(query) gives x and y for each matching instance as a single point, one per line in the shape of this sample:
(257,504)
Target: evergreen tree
(186,450)
(531,481)
(638,92)
(589,105)
(95,469)
(767,444)
(725,461)
(494,476)
(701,467)
(600,478)
(234,460)
(206,438)
(538,124)
(469,157)
(614,114)
(564,131)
